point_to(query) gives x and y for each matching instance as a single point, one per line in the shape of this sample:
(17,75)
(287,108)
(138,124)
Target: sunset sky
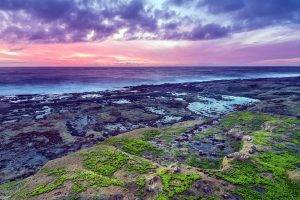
(149,32)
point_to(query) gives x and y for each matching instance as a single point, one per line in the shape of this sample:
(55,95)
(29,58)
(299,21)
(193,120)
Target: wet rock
(73,116)
(221,146)
(247,138)
(176,169)
(205,186)
(237,136)
(230,197)
(268,126)
(201,153)
(116,197)
(154,184)
(252,149)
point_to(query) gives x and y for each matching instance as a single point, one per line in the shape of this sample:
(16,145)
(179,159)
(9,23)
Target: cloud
(67,21)
(255,14)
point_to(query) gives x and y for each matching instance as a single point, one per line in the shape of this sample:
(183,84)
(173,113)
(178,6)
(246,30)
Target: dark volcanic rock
(37,128)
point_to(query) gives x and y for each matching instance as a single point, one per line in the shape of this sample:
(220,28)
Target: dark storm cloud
(94,20)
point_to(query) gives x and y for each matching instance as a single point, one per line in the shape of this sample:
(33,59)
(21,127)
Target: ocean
(54,80)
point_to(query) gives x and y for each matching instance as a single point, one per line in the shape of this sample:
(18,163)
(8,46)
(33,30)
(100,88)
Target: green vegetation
(77,187)
(150,135)
(168,134)
(134,146)
(261,137)
(267,171)
(141,182)
(209,132)
(105,161)
(175,183)
(247,120)
(45,188)
(265,175)
(96,180)
(139,165)
(138,147)
(204,163)
(272,172)
(54,171)
(91,179)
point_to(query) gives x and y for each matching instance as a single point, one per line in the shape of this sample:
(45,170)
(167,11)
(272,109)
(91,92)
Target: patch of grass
(244,173)
(104,161)
(54,171)
(203,163)
(141,182)
(168,134)
(251,174)
(150,135)
(175,183)
(209,132)
(248,120)
(96,180)
(9,188)
(278,163)
(285,124)
(245,193)
(45,188)
(77,187)
(135,147)
(261,137)
(139,147)
(139,165)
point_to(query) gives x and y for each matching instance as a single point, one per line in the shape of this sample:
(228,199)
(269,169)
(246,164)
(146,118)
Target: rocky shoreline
(38,128)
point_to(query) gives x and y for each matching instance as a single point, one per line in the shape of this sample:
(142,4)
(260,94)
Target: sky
(149,33)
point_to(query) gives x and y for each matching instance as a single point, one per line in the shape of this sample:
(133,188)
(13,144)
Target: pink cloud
(151,53)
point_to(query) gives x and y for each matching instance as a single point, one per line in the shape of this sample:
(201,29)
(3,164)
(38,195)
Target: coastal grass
(203,163)
(104,160)
(175,183)
(265,175)
(249,121)
(270,173)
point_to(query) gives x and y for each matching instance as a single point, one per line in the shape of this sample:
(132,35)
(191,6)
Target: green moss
(104,161)
(139,147)
(150,135)
(244,173)
(261,137)
(96,180)
(251,174)
(139,165)
(175,183)
(248,194)
(168,134)
(45,188)
(54,171)
(77,187)
(209,132)
(141,182)
(296,137)
(248,120)
(203,163)
(9,188)
(134,146)
(278,163)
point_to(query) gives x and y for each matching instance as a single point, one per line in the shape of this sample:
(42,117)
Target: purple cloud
(254,14)
(93,20)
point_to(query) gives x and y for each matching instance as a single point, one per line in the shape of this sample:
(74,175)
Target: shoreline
(150,85)
(37,128)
